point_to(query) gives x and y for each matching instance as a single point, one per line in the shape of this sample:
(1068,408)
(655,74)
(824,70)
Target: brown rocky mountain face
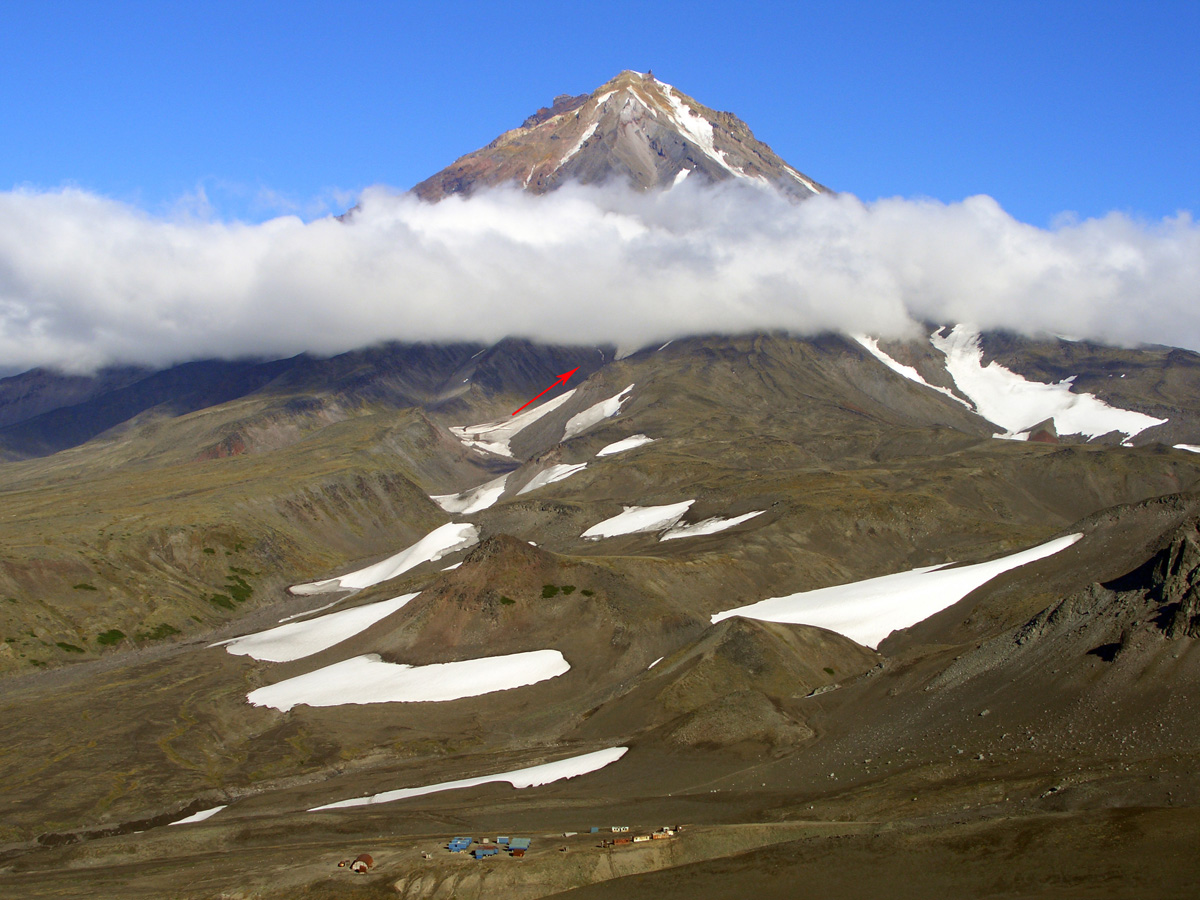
(634,129)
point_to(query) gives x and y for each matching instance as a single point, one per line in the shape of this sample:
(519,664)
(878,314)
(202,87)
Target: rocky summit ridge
(633,129)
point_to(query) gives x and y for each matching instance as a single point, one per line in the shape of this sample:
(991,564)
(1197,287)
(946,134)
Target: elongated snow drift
(868,611)
(572,767)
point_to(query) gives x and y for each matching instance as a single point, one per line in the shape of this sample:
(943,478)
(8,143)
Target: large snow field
(638,519)
(368,679)
(493,437)
(547,773)
(598,412)
(636,440)
(872,346)
(1005,398)
(473,499)
(868,611)
(297,640)
(443,540)
(708,526)
(199,816)
(551,475)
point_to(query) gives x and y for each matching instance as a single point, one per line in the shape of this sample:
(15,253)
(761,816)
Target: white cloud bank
(85,280)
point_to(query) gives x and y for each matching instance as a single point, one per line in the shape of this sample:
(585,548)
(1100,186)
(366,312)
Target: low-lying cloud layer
(86,281)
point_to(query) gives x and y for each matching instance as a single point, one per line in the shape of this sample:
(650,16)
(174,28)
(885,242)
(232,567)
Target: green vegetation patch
(549,590)
(507,601)
(235,570)
(587,593)
(210,551)
(83,586)
(158,632)
(221,600)
(828,671)
(70,648)
(568,588)
(112,636)
(238,588)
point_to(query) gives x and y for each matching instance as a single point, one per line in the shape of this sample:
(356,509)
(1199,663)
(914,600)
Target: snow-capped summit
(633,128)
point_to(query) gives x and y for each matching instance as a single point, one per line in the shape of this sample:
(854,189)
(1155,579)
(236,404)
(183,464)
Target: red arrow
(562,379)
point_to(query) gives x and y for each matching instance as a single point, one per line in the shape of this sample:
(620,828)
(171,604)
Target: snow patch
(547,773)
(655,663)
(1193,448)
(551,475)
(368,679)
(872,347)
(605,409)
(474,499)
(493,437)
(301,615)
(300,639)
(708,526)
(591,129)
(1005,398)
(638,520)
(636,440)
(698,129)
(868,611)
(800,178)
(438,543)
(200,816)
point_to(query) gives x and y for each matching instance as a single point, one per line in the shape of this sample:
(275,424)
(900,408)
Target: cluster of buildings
(515,846)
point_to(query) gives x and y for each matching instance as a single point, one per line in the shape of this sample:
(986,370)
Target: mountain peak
(632,128)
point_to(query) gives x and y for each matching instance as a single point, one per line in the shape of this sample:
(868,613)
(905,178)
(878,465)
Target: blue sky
(265,108)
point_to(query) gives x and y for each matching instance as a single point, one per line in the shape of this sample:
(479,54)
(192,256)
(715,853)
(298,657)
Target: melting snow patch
(628,443)
(1010,401)
(639,519)
(655,663)
(572,767)
(299,615)
(708,526)
(868,611)
(432,547)
(551,475)
(605,409)
(872,347)
(493,437)
(200,816)
(1190,447)
(368,679)
(474,499)
(591,129)
(300,639)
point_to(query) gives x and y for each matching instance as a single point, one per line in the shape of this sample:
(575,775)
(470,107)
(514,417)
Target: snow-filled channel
(1005,398)
(474,499)
(598,412)
(551,475)
(708,526)
(368,679)
(636,440)
(639,519)
(200,816)
(438,543)
(534,776)
(493,437)
(297,640)
(868,611)
(872,346)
